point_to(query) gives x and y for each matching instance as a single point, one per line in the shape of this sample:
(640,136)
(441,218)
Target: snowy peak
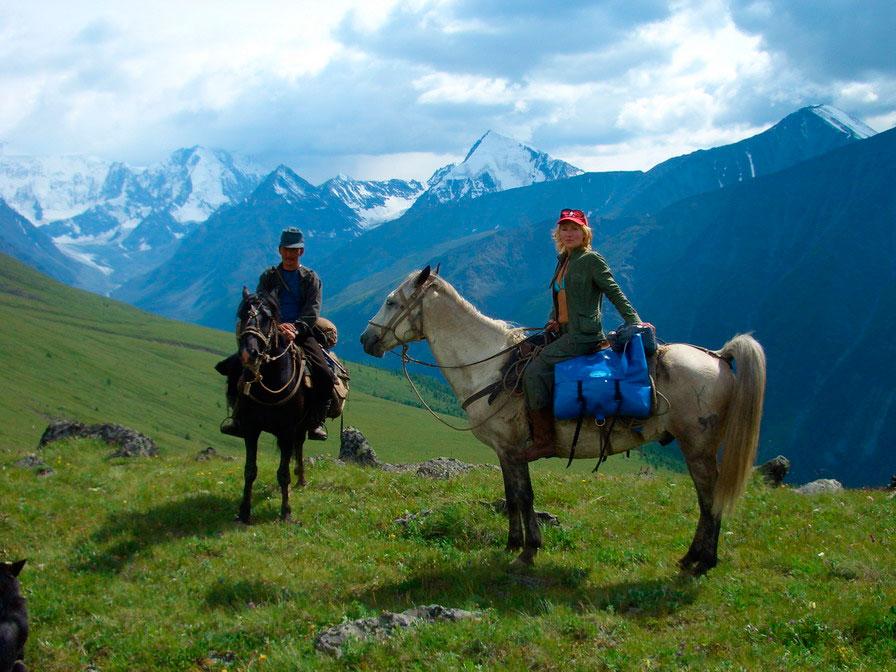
(374,202)
(204,179)
(285,184)
(843,121)
(497,163)
(44,188)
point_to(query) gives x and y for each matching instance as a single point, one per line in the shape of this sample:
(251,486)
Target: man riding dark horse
(297,290)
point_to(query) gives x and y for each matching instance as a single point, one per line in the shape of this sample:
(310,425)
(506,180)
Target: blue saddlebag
(603,384)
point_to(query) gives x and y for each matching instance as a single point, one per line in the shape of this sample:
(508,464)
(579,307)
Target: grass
(136,564)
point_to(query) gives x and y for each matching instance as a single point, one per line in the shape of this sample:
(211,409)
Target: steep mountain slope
(202,281)
(807,260)
(808,132)
(22,240)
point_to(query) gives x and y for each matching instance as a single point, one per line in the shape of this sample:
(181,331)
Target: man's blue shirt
(291,300)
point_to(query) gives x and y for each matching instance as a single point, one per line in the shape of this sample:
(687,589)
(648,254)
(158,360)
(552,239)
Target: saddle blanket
(604,384)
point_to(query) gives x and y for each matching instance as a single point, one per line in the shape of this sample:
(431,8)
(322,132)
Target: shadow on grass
(245,594)
(493,585)
(128,534)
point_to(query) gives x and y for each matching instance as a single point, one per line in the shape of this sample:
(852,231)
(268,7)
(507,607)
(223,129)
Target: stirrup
(318,433)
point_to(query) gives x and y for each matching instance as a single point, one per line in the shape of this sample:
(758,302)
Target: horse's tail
(741,434)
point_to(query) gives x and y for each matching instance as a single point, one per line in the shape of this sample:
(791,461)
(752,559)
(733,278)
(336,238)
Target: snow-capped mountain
(496,163)
(52,187)
(201,281)
(118,219)
(375,202)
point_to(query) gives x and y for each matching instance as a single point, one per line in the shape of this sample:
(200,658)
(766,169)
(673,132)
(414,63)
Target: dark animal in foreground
(13,618)
(704,403)
(272,396)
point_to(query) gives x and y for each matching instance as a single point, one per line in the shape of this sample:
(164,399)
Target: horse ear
(438,266)
(424,274)
(245,293)
(16,567)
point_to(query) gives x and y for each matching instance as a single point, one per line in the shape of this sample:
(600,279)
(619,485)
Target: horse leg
(299,469)
(703,552)
(515,535)
(519,490)
(285,443)
(250,473)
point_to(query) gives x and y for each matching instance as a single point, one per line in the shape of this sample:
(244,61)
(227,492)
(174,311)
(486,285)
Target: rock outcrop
(820,486)
(775,470)
(385,625)
(128,442)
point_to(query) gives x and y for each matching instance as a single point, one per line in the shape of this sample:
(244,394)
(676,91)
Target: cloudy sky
(377,88)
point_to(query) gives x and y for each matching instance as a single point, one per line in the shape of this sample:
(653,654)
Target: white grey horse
(702,403)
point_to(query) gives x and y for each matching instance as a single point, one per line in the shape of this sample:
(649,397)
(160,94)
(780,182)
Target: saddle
(511,379)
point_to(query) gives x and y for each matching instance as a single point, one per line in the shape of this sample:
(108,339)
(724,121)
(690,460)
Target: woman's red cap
(574,216)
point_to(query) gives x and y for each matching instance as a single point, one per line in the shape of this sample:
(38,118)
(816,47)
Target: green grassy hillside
(70,354)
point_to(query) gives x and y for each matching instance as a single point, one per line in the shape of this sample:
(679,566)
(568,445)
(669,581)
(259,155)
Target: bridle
(408,304)
(269,339)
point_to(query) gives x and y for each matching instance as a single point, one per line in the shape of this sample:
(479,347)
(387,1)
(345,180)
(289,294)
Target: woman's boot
(542,421)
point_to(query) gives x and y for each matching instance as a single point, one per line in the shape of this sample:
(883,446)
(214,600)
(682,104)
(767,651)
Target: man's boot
(317,429)
(232,368)
(542,421)
(231,426)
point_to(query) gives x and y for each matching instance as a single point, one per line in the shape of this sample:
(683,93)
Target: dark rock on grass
(440,467)
(500,506)
(820,486)
(774,471)
(385,625)
(211,454)
(129,442)
(37,464)
(355,448)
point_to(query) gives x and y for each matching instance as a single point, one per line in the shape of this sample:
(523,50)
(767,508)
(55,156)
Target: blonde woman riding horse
(707,405)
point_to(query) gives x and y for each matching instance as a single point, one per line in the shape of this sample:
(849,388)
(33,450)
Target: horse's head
(399,319)
(256,330)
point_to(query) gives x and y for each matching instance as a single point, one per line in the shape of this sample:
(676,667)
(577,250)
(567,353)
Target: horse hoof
(241,520)
(525,559)
(512,548)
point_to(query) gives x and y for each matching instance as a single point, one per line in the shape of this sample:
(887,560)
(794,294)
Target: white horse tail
(741,433)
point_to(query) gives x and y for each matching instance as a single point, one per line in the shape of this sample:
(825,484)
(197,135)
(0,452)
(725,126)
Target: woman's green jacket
(588,279)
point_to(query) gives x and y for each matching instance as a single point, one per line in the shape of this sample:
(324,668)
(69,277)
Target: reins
(270,339)
(411,302)
(405,358)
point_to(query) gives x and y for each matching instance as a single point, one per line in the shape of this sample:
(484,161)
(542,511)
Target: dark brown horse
(270,395)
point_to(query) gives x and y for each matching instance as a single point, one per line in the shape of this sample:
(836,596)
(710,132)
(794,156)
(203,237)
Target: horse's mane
(514,334)
(260,297)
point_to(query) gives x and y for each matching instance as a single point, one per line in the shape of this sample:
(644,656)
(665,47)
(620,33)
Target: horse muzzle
(371,343)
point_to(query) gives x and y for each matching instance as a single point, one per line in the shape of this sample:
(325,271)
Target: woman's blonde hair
(586,243)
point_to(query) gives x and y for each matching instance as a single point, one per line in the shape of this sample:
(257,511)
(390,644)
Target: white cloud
(364,87)
(443,87)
